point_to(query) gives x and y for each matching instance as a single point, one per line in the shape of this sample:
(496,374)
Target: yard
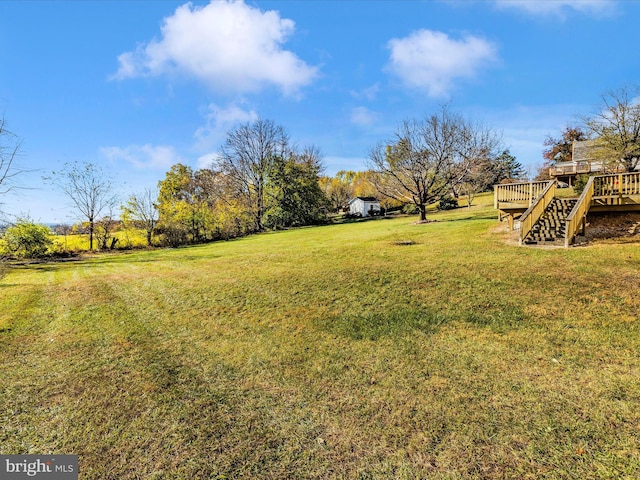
(380,349)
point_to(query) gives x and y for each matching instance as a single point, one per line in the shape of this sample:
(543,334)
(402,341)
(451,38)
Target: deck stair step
(550,229)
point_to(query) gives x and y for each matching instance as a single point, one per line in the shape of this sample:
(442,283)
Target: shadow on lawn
(374,325)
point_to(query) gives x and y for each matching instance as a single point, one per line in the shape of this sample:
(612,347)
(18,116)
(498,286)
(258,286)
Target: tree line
(261,180)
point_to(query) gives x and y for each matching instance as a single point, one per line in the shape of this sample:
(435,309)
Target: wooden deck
(603,193)
(620,192)
(513,199)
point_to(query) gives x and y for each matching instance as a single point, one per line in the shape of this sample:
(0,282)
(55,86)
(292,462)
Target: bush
(447,203)
(581,182)
(26,239)
(410,209)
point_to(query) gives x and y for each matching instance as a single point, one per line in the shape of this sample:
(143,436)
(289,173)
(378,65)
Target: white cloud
(205,161)
(219,121)
(432,60)
(148,157)
(369,93)
(559,7)
(228,45)
(363,116)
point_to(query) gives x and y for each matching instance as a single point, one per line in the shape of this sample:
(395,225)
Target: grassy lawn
(379,349)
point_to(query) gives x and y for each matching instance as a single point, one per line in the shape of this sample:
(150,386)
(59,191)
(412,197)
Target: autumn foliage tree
(26,239)
(561,149)
(184,205)
(258,181)
(338,189)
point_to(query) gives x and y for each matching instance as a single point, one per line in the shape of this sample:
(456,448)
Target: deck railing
(578,214)
(620,185)
(573,168)
(584,167)
(536,209)
(518,192)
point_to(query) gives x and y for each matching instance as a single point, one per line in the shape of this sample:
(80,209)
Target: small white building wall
(362,207)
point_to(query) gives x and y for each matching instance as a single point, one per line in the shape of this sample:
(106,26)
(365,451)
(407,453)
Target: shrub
(581,182)
(410,209)
(447,203)
(26,239)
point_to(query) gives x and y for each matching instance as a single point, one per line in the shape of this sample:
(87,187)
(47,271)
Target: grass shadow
(498,320)
(374,325)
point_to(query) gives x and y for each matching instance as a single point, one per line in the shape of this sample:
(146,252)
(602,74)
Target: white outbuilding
(364,206)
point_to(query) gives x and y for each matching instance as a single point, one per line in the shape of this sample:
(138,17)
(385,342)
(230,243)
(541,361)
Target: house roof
(587,151)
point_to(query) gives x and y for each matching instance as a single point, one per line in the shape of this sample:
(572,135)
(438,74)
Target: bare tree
(89,189)
(478,177)
(104,231)
(616,127)
(143,209)
(246,158)
(426,159)
(10,146)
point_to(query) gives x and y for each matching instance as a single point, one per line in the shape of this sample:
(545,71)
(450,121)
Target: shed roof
(366,199)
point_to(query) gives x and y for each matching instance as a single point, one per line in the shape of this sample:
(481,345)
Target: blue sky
(139,86)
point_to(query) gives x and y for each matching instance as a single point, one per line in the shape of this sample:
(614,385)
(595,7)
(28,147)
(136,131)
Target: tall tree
(294,194)
(426,159)
(90,190)
(247,158)
(182,205)
(506,166)
(616,127)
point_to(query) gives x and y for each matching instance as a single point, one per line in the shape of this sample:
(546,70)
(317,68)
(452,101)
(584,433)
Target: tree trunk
(90,235)
(423,212)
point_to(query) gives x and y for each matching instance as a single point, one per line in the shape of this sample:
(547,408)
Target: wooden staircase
(550,229)
(545,219)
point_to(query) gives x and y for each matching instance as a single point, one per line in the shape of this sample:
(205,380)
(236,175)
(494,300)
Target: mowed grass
(381,349)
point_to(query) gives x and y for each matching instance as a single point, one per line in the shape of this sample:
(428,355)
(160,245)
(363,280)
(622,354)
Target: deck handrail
(518,192)
(579,212)
(574,168)
(531,215)
(621,184)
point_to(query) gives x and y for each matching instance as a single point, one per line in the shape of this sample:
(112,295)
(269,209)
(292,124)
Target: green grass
(380,349)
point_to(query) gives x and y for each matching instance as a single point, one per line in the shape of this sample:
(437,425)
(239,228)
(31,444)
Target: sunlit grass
(380,349)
